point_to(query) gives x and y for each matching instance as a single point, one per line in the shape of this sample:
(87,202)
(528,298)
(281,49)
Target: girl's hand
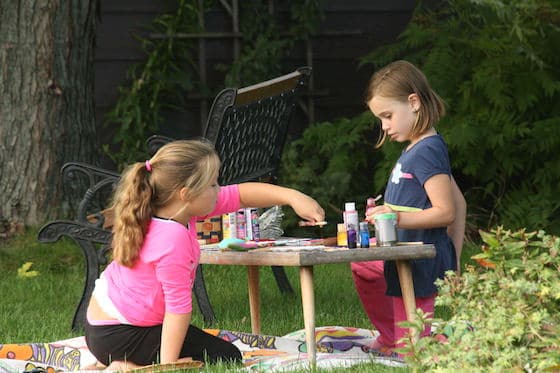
(307,208)
(370,215)
(265,195)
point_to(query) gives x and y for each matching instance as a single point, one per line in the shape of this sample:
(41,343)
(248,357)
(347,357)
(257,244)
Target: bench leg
(199,288)
(92,273)
(282,280)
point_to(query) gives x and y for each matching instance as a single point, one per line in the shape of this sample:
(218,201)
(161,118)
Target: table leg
(407,289)
(308,302)
(254,299)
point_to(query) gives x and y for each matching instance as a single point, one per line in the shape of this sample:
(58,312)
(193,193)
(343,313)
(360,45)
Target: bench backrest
(248,126)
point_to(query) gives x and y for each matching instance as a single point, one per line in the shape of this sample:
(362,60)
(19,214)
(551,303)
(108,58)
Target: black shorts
(141,345)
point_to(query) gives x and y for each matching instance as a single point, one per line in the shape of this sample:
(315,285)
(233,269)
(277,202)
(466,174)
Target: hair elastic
(148,165)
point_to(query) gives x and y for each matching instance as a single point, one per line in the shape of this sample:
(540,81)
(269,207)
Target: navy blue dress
(405,192)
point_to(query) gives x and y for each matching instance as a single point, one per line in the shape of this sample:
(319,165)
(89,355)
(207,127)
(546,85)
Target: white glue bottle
(351,219)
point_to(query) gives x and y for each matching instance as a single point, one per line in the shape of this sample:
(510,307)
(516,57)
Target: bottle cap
(340,227)
(350,206)
(363,225)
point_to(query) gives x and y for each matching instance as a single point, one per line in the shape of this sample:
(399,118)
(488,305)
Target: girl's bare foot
(96,366)
(122,366)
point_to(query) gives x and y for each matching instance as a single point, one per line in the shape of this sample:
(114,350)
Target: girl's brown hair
(400,79)
(143,189)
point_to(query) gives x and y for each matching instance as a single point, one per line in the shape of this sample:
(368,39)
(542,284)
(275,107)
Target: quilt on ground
(337,346)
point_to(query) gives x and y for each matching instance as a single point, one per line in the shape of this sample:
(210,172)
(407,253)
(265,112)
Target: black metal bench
(248,127)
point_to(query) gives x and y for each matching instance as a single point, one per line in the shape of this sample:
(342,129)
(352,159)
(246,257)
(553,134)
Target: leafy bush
(496,66)
(332,162)
(155,84)
(505,312)
(170,70)
(266,41)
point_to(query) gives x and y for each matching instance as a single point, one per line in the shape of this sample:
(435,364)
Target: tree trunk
(47,113)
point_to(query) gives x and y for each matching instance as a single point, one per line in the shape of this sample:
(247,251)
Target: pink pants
(383,311)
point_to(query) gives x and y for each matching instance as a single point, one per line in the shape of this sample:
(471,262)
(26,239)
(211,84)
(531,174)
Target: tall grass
(40,308)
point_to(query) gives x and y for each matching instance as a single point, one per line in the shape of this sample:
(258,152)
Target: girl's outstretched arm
(266,195)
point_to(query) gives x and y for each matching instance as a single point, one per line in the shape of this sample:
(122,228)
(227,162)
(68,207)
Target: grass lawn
(40,308)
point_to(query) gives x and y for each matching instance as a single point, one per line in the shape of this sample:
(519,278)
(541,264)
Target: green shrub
(505,312)
(156,84)
(171,70)
(496,65)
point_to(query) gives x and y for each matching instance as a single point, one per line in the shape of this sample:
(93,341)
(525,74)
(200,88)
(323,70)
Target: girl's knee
(233,355)
(226,353)
(368,271)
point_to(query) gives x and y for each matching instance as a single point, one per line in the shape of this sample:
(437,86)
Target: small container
(386,229)
(341,238)
(364,234)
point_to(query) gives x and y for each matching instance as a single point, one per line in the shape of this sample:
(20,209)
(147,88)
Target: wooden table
(305,259)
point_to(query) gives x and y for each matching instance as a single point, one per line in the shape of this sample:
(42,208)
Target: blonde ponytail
(133,211)
(146,187)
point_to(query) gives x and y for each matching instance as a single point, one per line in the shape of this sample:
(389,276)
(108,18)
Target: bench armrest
(53,231)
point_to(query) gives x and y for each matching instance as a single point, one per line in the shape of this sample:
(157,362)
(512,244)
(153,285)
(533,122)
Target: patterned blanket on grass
(337,346)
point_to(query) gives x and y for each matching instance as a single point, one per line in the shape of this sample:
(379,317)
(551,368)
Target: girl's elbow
(449,217)
(448,221)
(462,204)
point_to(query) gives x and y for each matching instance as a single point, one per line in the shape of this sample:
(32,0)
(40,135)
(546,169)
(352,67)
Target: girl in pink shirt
(140,310)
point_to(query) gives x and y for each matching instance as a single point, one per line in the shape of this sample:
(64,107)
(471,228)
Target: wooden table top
(312,255)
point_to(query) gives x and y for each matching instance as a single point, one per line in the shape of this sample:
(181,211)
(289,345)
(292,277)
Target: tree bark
(47,112)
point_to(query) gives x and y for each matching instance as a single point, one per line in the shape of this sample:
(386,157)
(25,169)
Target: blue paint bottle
(364,234)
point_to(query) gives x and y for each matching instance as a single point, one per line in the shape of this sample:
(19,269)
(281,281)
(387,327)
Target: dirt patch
(9,229)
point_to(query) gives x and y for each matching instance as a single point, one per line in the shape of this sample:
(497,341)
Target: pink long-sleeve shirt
(162,278)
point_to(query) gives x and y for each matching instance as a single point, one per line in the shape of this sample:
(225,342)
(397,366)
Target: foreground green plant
(506,311)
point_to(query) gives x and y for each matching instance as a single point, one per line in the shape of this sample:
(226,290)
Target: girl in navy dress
(421,191)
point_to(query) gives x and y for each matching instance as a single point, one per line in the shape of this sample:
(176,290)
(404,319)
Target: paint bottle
(252,218)
(229,229)
(341,238)
(351,221)
(241,224)
(351,238)
(364,234)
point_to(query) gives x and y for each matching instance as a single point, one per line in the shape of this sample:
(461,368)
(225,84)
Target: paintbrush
(312,223)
